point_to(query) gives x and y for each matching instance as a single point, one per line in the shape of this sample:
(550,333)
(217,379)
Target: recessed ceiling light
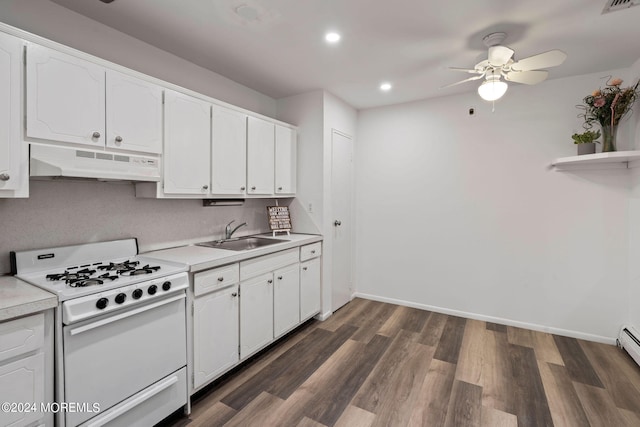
(385,87)
(332,37)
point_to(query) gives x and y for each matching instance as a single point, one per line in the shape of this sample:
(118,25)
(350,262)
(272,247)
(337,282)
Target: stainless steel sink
(241,243)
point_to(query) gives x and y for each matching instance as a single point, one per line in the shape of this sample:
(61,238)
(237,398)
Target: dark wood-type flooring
(378,364)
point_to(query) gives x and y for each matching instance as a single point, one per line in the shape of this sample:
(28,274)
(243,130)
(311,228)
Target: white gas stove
(75,271)
(119,311)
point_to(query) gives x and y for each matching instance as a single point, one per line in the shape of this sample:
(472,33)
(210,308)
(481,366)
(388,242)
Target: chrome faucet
(228,232)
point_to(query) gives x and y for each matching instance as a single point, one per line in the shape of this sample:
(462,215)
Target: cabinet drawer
(21,336)
(217,278)
(310,251)
(264,264)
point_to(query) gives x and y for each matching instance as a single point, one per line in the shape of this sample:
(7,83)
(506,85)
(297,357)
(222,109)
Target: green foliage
(586,137)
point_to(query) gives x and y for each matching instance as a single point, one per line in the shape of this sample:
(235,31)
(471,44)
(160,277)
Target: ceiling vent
(613,5)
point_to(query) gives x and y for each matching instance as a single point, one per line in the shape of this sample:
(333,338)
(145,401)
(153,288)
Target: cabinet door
(256,314)
(187,132)
(134,114)
(260,156)
(10,84)
(286,299)
(215,334)
(228,152)
(65,98)
(22,381)
(285,161)
(309,288)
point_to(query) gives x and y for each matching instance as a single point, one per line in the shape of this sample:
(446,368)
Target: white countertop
(200,258)
(18,298)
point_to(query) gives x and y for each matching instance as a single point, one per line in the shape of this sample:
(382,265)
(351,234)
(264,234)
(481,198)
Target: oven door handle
(115,318)
(135,401)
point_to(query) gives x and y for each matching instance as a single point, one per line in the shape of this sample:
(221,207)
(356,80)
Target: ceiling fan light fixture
(492,89)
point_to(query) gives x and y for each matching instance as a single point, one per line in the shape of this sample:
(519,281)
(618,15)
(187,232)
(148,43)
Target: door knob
(337,223)
(118,139)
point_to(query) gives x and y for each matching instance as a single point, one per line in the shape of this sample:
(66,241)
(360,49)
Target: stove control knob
(137,294)
(102,303)
(152,289)
(120,298)
(166,286)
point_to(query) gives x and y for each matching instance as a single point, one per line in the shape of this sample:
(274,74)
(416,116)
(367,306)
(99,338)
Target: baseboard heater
(630,340)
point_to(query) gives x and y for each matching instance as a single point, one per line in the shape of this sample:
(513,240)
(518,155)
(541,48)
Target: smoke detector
(613,5)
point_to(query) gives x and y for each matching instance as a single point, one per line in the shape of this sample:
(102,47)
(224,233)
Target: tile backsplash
(66,212)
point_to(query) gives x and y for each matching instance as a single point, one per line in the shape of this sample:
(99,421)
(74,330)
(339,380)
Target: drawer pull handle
(279,277)
(304,268)
(313,252)
(220,279)
(95,135)
(269,281)
(235,294)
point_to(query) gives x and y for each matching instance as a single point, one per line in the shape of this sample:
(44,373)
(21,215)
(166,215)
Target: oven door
(110,358)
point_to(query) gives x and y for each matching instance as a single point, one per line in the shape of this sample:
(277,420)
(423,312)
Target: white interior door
(341,190)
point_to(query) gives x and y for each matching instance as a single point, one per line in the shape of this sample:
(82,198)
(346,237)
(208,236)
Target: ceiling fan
(500,64)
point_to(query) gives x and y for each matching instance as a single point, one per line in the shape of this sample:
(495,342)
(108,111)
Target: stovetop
(79,270)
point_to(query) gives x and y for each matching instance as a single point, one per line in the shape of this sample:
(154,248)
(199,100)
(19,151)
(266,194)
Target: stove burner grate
(119,266)
(142,270)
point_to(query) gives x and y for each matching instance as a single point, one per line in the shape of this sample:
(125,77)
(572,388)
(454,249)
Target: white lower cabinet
(256,314)
(22,369)
(286,299)
(215,330)
(240,308)
(309,288)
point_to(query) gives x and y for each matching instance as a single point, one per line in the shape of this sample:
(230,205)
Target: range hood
(62,161)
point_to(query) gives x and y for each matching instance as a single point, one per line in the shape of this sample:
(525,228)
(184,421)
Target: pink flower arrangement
(609,105)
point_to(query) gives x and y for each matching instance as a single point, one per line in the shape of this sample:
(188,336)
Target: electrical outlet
(310,207)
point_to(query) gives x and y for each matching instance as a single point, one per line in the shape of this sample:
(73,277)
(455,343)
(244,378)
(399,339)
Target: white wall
(463,214)
(54,22)
(634,216)
(317,113)
(306,112)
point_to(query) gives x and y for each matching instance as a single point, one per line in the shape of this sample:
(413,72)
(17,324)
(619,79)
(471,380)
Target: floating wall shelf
(615,160)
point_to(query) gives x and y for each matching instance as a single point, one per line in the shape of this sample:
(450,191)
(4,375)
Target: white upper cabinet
(260,156)
(10,88)
(286,159)
(187,133)
(73,100)
(228,152)
(134,113)
(65,98)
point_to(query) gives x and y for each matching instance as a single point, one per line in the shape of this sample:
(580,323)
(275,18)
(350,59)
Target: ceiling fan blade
(527,77)
(465,70)
(464,81)
(499,55)
(548,59)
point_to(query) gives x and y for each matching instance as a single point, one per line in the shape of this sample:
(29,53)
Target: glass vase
(609,138)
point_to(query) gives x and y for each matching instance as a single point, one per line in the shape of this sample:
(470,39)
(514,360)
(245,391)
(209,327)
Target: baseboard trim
(508,322)
(324,316)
